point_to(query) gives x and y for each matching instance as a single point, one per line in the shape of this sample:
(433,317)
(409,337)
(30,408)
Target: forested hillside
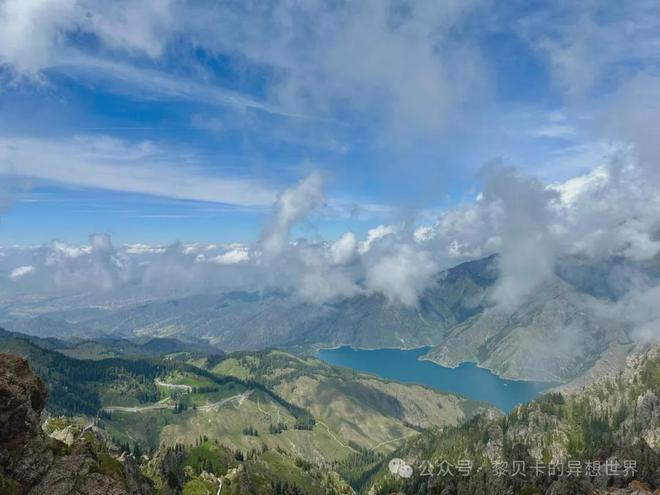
(272,422)
(598,430)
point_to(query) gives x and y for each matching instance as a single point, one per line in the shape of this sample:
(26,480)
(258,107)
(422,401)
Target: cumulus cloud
(522,209)
(31,30)
(35,33)
(291,206)
(141,248)
(231,257)
(536,229)
(96,266)
(317,279)
(374,235)
(401,274)
(343,250)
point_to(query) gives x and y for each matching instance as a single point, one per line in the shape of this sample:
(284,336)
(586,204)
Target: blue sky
(159,120)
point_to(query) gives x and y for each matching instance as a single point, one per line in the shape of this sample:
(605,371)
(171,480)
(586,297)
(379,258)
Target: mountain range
(562,331)
(297,416)
(274,423)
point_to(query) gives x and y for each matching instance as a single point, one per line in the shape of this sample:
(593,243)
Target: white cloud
(62,249)
(401,275)
(140,248)
(107,163)
(404,64)
(20,272)
(375,234)
(292,205)
(343,251)
(631,116)
(374,56)
(144,26)
(604,62)
(33,33)
(587,44)
(556,131)
(522,215)
(232,257)
(606,213)
(571,189)
(316,280)
(423,233)
(149,84)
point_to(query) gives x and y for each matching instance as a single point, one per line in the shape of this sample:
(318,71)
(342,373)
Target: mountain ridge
(564,323)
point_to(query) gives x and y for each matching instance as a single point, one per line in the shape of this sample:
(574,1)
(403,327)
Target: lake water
(467,379)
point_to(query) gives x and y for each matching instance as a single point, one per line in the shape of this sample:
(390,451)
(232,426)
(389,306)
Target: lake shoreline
(504,377)
(409,365)
(318,349)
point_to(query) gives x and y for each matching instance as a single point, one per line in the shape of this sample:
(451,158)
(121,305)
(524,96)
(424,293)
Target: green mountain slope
(71,456)
(80,387)
(135,348)
(330,391)
(282,439)
(206,467)
(299,405)
(350,413)
(274,423)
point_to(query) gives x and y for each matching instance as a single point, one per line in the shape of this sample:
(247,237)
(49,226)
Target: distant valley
(561,332)
(163,397)
(165,417)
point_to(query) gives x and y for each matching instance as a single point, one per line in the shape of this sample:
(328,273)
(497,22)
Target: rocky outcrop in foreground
(35,464)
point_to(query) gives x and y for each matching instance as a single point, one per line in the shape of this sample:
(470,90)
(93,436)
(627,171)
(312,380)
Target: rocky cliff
(34,463)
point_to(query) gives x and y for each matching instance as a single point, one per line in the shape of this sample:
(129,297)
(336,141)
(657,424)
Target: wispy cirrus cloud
(141,167)
(151,84)
(372,58)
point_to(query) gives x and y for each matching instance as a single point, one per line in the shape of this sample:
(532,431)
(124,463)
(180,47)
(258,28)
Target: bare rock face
(495,445)
(22,397)
(66,435)
(23,450)
(33,464)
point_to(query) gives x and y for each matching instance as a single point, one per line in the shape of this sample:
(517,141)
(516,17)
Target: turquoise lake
(467,379)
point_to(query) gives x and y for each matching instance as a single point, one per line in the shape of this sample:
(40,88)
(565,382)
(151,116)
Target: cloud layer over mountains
(612,212)
(416,70)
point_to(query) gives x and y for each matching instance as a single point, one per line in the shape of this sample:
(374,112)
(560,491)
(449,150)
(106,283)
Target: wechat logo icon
(399,467)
